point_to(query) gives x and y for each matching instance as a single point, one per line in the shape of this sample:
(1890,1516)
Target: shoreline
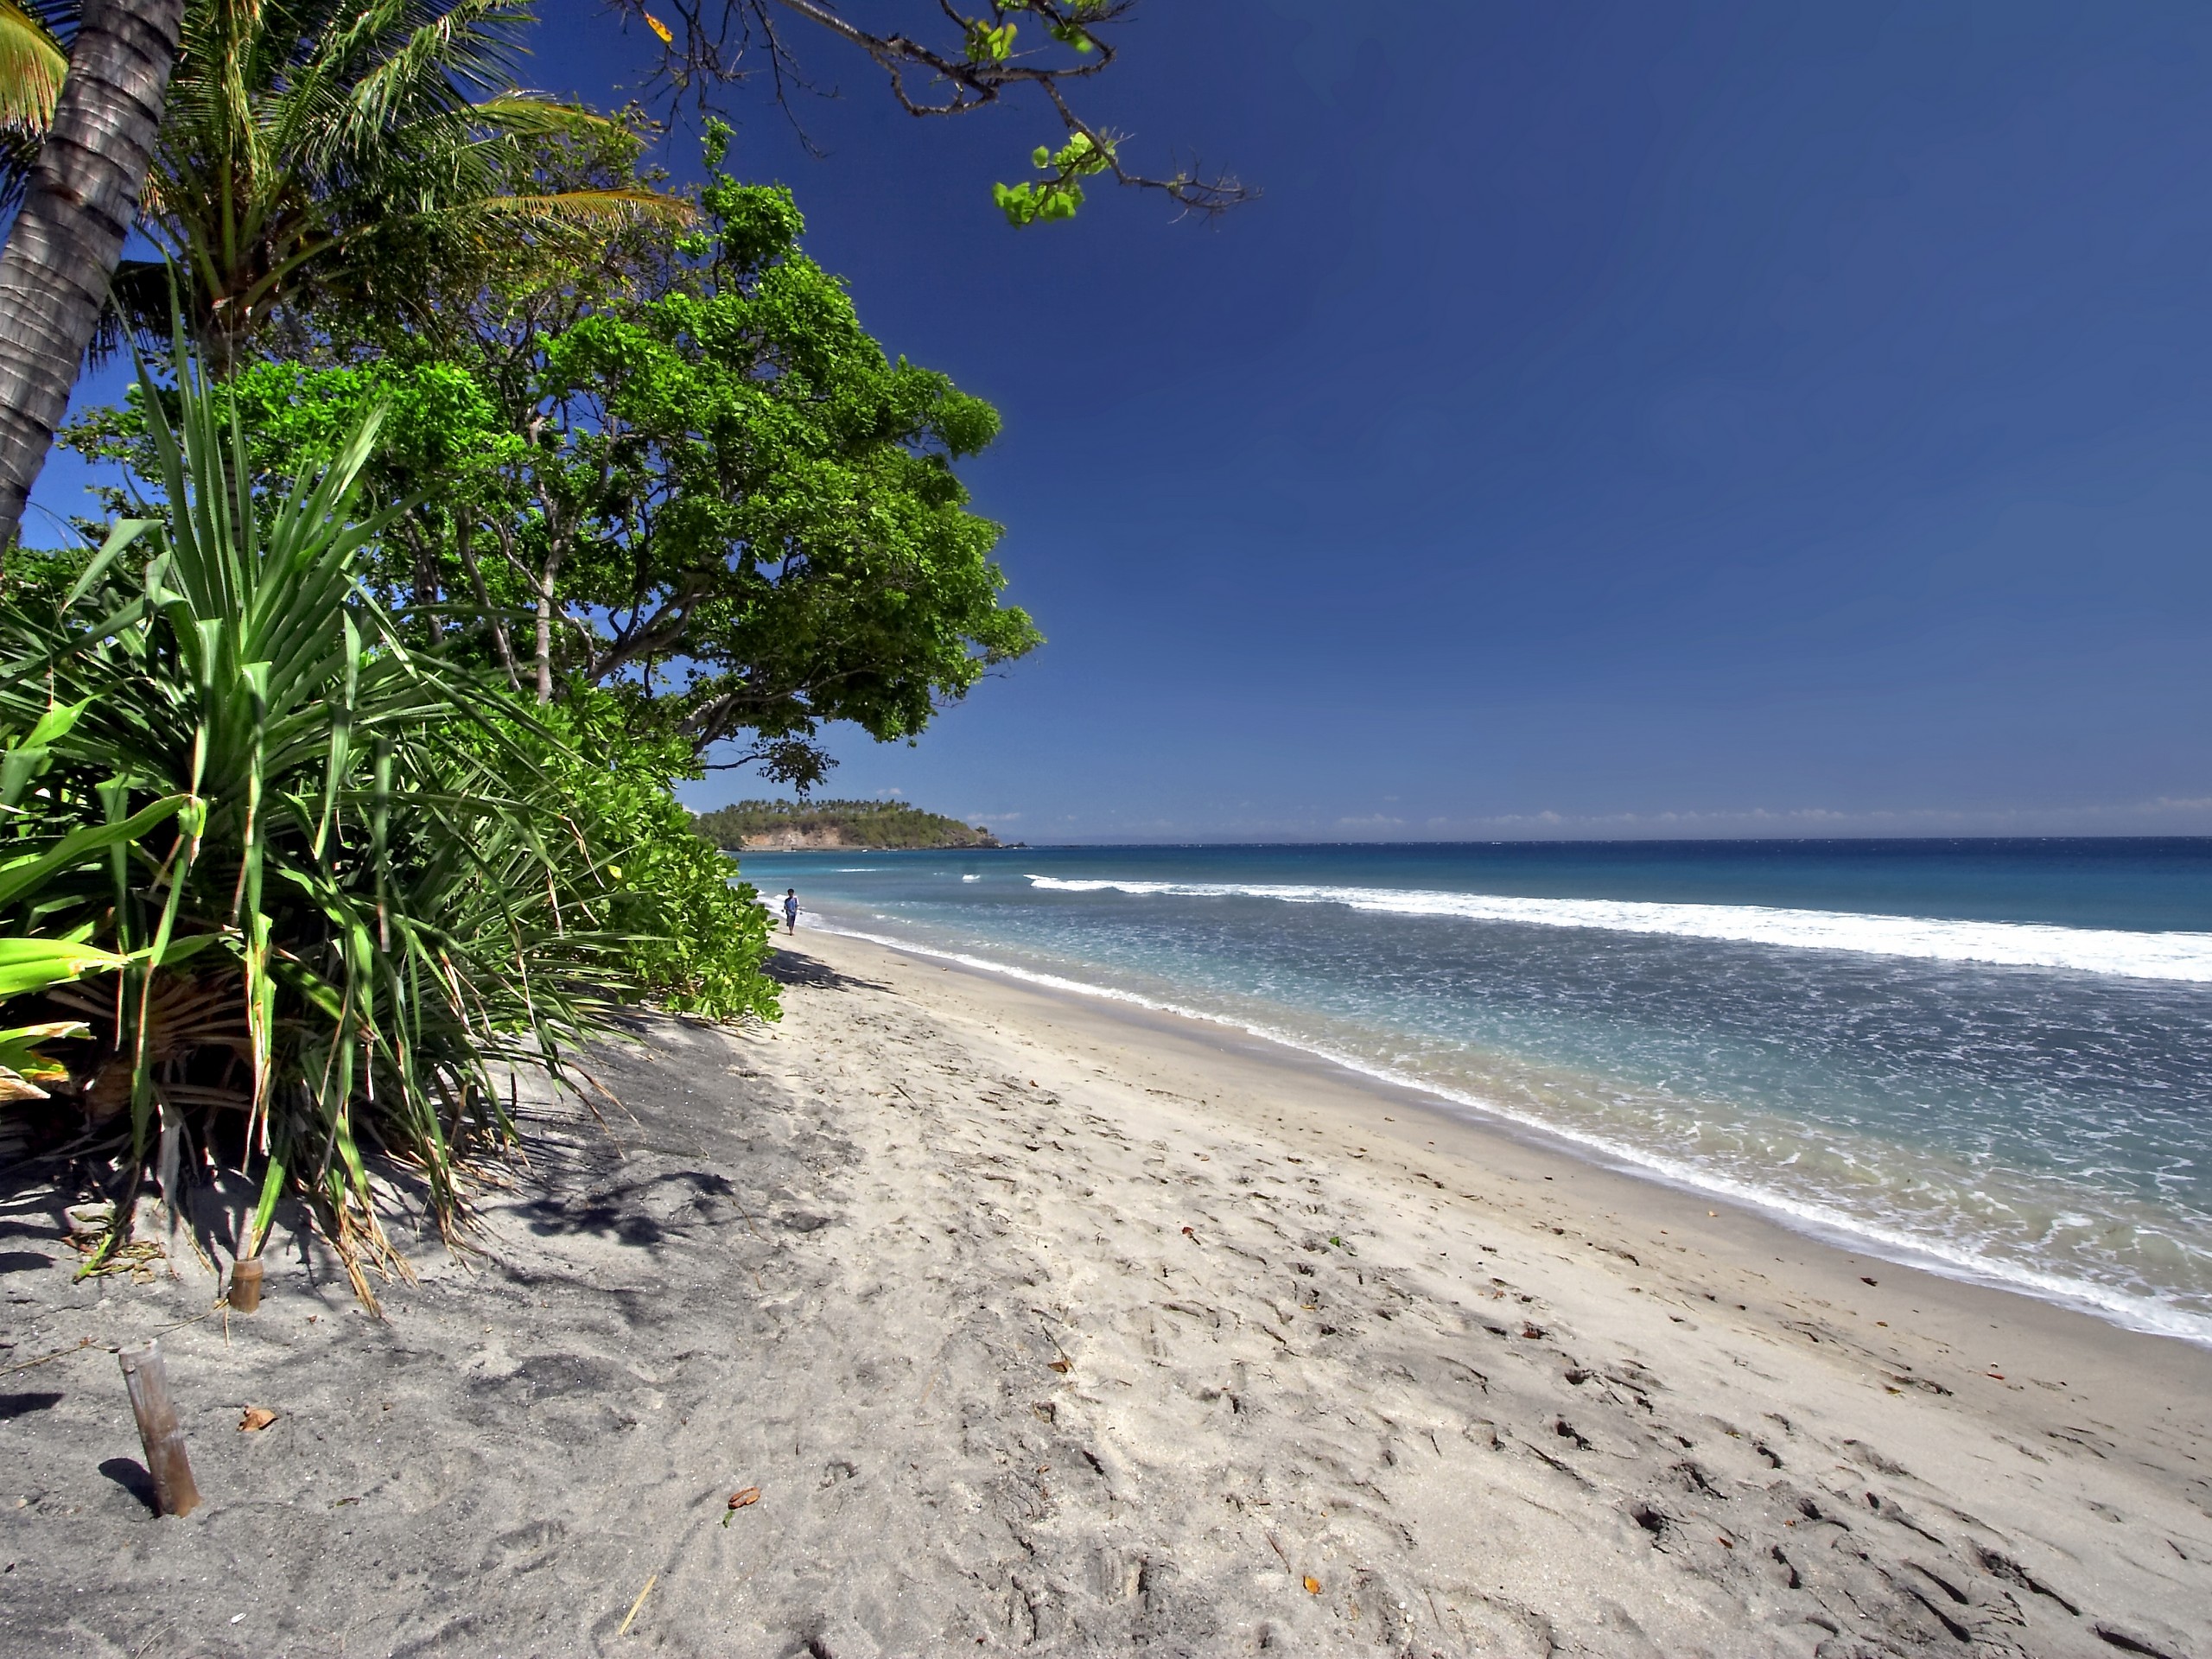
(1918,1370)
(2139,1315)
(1040,1323)
(1743,1227)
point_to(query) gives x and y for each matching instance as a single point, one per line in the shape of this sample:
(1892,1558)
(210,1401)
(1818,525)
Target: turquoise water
(1993,1058)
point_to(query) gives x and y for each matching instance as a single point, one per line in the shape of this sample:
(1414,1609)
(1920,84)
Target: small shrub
(685,934)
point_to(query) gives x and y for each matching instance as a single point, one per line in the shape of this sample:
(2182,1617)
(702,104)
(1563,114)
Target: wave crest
(2011,944)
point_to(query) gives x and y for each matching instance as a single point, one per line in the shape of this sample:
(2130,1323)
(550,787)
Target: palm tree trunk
(81,201)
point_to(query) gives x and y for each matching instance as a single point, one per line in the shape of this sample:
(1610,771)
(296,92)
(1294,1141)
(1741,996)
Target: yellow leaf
(659,29)
(256,1418)
(1312,1584)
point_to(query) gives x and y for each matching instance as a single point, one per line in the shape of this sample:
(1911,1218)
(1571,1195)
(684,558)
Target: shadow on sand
(622,1211)
(131,1475)
(788,968)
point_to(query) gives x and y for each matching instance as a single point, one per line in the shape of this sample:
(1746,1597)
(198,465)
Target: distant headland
(829,826)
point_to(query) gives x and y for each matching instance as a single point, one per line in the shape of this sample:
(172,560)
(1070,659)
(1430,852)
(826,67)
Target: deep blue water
(1992,1055)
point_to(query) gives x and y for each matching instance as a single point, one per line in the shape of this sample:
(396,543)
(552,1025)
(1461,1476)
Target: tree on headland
(883,826)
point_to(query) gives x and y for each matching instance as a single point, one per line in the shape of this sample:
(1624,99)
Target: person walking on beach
(791,910)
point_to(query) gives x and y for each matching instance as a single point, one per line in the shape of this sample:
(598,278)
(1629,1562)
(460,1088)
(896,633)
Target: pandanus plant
(369,905)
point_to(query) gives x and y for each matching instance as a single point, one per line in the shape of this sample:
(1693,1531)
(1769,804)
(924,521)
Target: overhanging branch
(717,43)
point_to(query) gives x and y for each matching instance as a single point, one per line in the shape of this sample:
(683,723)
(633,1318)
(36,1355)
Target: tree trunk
(81,200)
(546,623)
(425,595)
(462,535)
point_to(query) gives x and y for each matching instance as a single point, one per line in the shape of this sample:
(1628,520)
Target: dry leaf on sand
(254,1418)
(1312,1584)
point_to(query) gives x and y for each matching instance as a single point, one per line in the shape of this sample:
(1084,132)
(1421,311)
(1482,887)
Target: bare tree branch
(969,63)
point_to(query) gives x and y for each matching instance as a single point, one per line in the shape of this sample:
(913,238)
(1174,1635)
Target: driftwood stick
(144,1376)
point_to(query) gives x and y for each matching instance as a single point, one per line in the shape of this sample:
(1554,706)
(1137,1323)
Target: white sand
(1038,1324)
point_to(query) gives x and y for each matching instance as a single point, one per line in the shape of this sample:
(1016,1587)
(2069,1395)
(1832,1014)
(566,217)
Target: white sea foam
(2013,944)
(1943,1256)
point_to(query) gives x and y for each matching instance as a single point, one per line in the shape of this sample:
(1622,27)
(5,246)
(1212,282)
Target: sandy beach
(1040,1324)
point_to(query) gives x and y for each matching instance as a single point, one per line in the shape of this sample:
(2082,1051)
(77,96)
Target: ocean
(1989,1057)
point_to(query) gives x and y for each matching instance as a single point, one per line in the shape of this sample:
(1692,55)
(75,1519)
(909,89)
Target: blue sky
(1612,420)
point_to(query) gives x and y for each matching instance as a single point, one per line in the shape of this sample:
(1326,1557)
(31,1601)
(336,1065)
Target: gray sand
(1040,1327)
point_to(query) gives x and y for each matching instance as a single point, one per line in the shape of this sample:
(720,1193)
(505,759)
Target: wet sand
(1038,1323)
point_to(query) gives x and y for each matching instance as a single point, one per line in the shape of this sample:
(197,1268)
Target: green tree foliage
(498,486)
(320,147)
(684,470)
(692,940)
(388,878)
(313,151)
(886,824)
(1061,192)
(768,531)
(941,60)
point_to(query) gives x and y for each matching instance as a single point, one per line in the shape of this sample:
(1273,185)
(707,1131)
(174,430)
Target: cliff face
(796,840)
(836,836)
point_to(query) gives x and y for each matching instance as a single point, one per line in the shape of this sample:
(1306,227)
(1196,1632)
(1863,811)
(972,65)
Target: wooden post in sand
(245,1284)
(159,1431)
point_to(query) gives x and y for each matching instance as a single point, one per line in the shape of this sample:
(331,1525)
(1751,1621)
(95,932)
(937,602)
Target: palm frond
(527,115)
(32,68)
(471,46)
(588,209)
(305,140)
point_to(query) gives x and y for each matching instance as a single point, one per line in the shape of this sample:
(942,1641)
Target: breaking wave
(2011,944)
